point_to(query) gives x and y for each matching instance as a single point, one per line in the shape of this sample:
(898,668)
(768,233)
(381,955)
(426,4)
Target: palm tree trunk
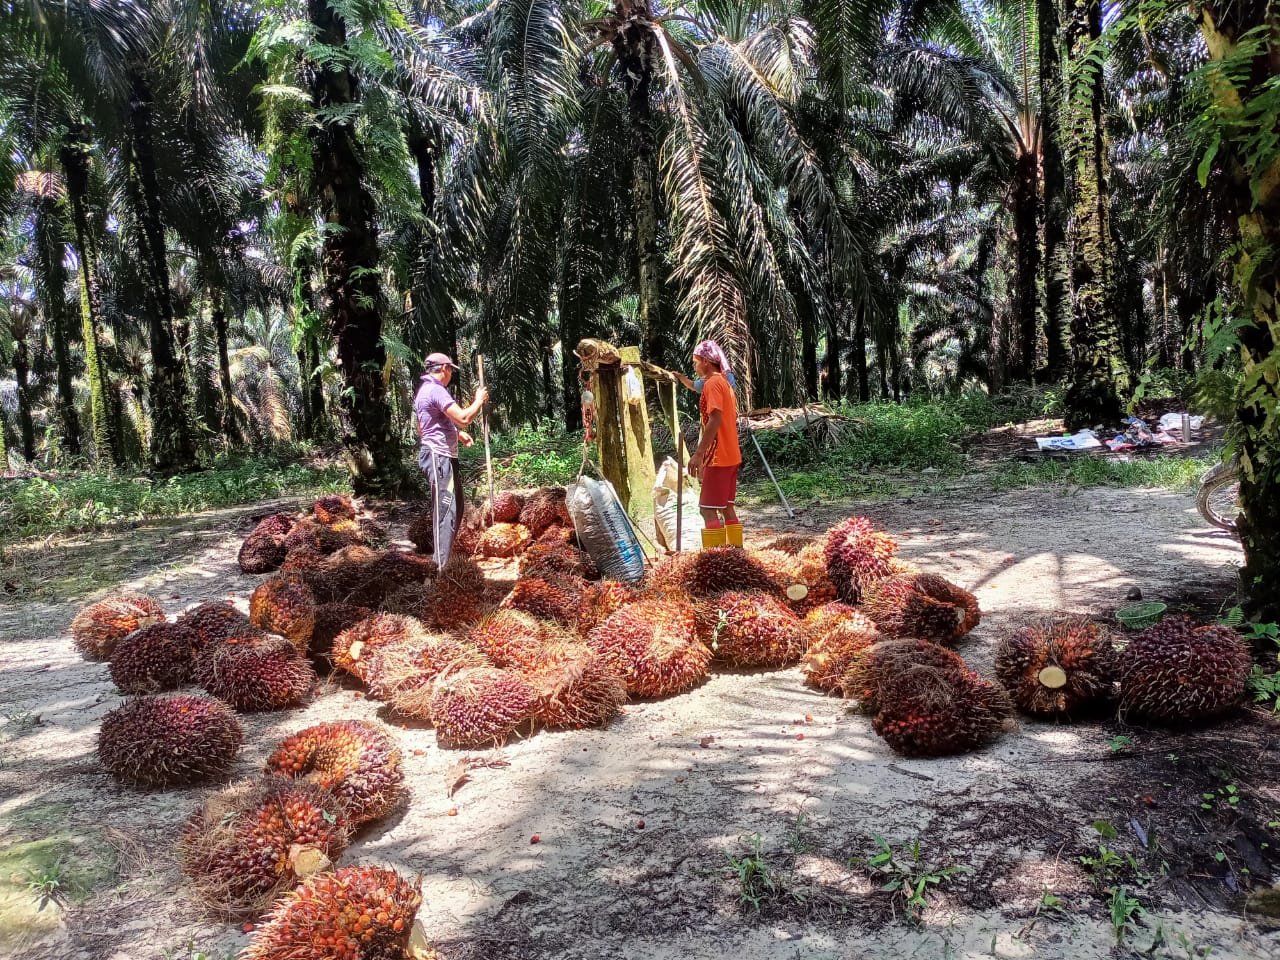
(74,157)
(219,311)
(51,253)
(172,446)
(1258,276)
(315,385)
(634,49)
(1026,204)
(1099,376)
(1057,263)
(808,345)
(863,375)
(22,373)
(831,373)
(350,270)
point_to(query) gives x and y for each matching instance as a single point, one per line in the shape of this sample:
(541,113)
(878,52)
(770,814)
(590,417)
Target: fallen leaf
(456,776)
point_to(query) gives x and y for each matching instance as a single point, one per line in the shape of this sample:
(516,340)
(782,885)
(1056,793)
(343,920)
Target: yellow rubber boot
(734,534)
(713,537)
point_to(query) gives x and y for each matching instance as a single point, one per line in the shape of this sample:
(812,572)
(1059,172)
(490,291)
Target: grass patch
(532,456)
(40,506)
(1173,473)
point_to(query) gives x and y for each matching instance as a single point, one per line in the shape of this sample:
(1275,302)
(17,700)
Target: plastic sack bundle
(664,511)
(604,530)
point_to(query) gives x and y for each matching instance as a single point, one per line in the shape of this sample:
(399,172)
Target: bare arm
(685,380)
(462,417)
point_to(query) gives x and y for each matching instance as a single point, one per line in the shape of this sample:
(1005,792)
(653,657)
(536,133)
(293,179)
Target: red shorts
(719,487)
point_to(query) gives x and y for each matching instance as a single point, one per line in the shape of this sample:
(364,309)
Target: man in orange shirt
(717,458)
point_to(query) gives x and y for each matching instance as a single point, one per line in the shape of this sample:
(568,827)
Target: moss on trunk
(75,158)
(1254,176)
(349,266)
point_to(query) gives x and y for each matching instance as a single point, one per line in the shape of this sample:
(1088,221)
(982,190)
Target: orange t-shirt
(718,395)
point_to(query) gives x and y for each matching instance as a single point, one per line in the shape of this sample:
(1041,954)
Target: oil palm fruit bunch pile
(1177,672)
(480,706)
(264,549)
(403,672)
(169,740)
(353,648)
(285,605)
(255,840)
(924,700)
(921,605)
(1057,668)
(357,761)
(835,635)
(354,913)
(653,645)
(155,658)
(574,687)
(100,626)
(749,629)
(554,598)
(212,622)
(512,638)
(256,672)
(856,554)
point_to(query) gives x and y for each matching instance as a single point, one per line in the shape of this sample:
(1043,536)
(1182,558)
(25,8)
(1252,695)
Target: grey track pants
(446,500)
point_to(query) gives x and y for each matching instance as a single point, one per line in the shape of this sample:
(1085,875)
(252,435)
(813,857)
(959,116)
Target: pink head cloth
(710,350)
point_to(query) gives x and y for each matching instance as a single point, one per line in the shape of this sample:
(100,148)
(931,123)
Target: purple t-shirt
(438,432)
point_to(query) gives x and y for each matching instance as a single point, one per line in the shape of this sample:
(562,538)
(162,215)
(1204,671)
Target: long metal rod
(484,421)
(767,469)
(675,432)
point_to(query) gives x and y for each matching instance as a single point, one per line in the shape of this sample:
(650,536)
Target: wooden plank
(638,450)
(613,462)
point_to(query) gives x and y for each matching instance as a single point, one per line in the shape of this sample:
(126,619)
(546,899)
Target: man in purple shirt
(440,423)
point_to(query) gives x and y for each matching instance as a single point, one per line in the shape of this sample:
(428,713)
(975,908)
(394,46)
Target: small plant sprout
(758,882)
(1119,742)
(906,874)
(1125,911)
(46,884)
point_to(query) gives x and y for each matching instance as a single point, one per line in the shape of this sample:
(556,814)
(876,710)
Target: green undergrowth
(530,456)
(75,503)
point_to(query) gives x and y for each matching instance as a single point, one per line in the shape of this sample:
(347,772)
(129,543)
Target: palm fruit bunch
(159,657)
(747,629)
(331,619)
(253,841)
(512,638)
(213,622)
(333,508)
(600,601)
(669,577)
(727,568)
(927,701)
(343,572)
(653,645)
(780,566)
(457,595)
(401,668)
(325,538)
(421,528)
(550,560)
(540,510)
(547,599)
(480,706)
(1056,668)
(169,740)
(466,541)
(285,605)
(358,761)
(1176,672)
(504,540)
(97,628)
(263,673)
(387,572)
(792,543)
(856,554)
(354,913)
(264,549)
(558,536)
(312,566)
(835,636)
(924,605)
(353,647)
(574,687)
(811,573)
(505,508)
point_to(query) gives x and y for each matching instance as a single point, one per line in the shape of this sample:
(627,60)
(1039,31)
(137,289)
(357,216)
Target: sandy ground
(636,823)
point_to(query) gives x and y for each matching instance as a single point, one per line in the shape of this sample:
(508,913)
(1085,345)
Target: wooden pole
(484,421)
